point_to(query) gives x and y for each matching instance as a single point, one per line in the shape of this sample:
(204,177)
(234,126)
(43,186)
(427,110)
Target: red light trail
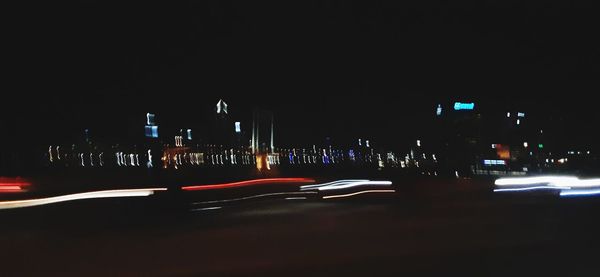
(268,181)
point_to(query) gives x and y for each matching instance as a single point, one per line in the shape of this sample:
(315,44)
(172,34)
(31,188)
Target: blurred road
(430,227)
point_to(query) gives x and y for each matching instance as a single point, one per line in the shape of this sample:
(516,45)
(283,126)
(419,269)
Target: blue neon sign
(463,106)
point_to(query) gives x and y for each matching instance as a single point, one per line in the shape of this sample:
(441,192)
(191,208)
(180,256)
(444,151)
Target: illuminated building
(151,129)
(222,107)
(222,133)
(262,132)
(456,137)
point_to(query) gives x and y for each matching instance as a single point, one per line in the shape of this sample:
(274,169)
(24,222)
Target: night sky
(326,68)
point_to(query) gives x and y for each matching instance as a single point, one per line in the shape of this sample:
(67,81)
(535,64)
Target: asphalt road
(430,227)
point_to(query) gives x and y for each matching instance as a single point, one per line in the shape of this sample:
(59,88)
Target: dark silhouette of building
(223,132)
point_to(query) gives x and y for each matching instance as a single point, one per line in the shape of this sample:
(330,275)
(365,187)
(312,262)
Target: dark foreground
(430,227)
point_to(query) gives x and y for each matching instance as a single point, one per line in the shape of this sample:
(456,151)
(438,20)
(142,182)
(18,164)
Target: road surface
(433,228)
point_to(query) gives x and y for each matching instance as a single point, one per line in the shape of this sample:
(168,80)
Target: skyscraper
(222,133)
(262,132)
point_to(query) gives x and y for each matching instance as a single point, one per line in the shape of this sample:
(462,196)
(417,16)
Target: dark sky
(327,68)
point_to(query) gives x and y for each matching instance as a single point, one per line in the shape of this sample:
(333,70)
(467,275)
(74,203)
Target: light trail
(10,184)
(79,196)
(10,189)
(587,183)
(308,187)
(568,185)
(269,181)
(253,197)
(534,180)
(532,188)
(206,209)
(358,193)
(580,192)
(356,184)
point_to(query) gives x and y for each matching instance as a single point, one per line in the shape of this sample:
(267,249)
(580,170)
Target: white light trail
(534,180)
(254,196)
(588,183)
(308,187)
(206,209)
(360,192)
(357,184)
(580,192)
(568,185)
(296,198)
(532,188)
(79,196)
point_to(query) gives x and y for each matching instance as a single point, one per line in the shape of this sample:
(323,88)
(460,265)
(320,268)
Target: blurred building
(456,136)
(222,133)
(262,132)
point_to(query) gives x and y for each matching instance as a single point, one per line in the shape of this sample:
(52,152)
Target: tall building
(262,132)
(222,108)
(222,132)
(457,135)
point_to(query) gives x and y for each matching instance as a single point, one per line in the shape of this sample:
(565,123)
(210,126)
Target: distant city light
(521,114)
(189,134)
(359,142)
(419,142)
(540,146)
(508,114)
(438,111)
(178,141)
(367,143)
(463,106)
(518,121)
(150,119)
(525,144)
(494,146)
(151,131)
(149,163)
(221,107)
(238,127)
(494,162)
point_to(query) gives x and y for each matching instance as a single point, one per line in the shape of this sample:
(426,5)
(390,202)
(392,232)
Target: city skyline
(325,68)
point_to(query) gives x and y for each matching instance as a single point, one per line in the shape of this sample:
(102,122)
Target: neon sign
(463,106)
